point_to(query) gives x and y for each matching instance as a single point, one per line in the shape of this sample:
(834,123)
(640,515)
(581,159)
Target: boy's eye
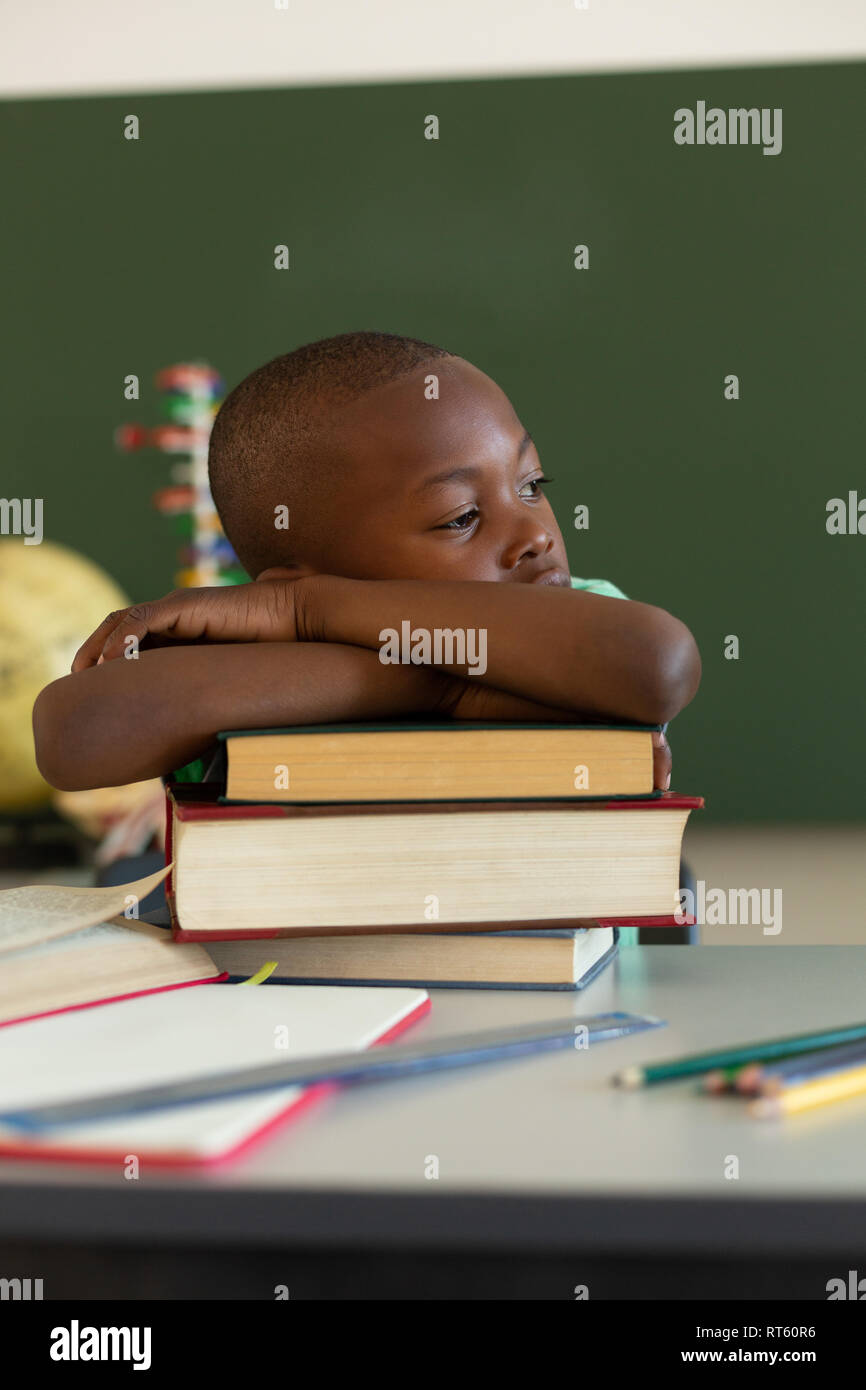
(537,484)
(466,519)
(462,522)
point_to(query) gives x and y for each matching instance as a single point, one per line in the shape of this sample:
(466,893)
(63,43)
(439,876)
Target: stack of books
(450,854)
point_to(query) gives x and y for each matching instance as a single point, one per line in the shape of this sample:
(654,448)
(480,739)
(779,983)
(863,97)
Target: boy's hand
(662,762)
(265,611)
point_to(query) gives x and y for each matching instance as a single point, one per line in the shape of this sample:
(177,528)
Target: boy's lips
(553,576)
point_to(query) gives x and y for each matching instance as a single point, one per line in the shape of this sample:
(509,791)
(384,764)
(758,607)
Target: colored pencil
(822,1091)
(747,1078)
(808,1066)
(724,1079)
(694,1063)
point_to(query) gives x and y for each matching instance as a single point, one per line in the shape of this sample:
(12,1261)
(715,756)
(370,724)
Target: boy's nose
(533,539)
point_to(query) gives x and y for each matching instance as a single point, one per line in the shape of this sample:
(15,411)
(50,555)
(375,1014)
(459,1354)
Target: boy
(365,481)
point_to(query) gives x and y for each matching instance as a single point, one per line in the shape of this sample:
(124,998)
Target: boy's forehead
(412,425)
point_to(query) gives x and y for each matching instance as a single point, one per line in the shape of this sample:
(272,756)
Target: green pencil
(672,1070)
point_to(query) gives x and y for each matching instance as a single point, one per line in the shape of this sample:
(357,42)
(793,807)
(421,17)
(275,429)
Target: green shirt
(598,586)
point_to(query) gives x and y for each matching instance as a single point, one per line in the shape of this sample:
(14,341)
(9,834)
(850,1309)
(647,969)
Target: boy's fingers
(89,652)
(109,639)
(180,617)
(191,615)
(662,762)
(136,622)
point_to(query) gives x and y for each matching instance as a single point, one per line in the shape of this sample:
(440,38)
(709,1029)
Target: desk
(549,1177)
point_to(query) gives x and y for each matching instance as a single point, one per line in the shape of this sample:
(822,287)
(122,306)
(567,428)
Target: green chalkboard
(123,256)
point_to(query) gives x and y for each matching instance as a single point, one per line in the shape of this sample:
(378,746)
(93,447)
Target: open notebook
(185,1033)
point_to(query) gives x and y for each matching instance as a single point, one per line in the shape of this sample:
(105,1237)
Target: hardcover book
(446,761)
(300,870)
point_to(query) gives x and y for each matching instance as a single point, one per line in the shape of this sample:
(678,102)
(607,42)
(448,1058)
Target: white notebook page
(184,1033)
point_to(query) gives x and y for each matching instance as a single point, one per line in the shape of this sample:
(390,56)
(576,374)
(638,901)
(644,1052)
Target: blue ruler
(377,1064)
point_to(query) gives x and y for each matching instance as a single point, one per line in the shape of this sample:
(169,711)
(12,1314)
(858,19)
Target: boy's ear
(282,572)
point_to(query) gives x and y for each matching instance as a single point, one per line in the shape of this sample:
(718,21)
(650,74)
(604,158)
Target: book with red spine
(243,871)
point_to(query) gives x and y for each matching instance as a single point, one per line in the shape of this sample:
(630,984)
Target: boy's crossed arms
(283,651)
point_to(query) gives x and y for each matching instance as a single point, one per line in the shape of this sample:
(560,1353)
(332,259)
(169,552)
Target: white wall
(56,47)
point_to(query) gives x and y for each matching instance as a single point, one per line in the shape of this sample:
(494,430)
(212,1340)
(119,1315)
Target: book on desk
(506,855)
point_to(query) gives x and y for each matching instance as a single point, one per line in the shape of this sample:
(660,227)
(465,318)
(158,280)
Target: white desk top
(549,1126)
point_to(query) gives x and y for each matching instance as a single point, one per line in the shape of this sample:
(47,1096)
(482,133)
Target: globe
(51,599)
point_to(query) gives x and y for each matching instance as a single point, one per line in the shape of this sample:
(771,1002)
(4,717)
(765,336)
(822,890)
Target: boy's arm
(580,652)
(575,651)
(126,720)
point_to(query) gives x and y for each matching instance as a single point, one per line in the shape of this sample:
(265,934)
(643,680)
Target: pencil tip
(630,1078)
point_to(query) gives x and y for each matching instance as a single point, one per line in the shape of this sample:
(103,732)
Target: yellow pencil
(836,1086)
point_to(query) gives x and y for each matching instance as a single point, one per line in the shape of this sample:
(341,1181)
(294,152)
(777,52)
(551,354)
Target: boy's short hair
(271,441)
